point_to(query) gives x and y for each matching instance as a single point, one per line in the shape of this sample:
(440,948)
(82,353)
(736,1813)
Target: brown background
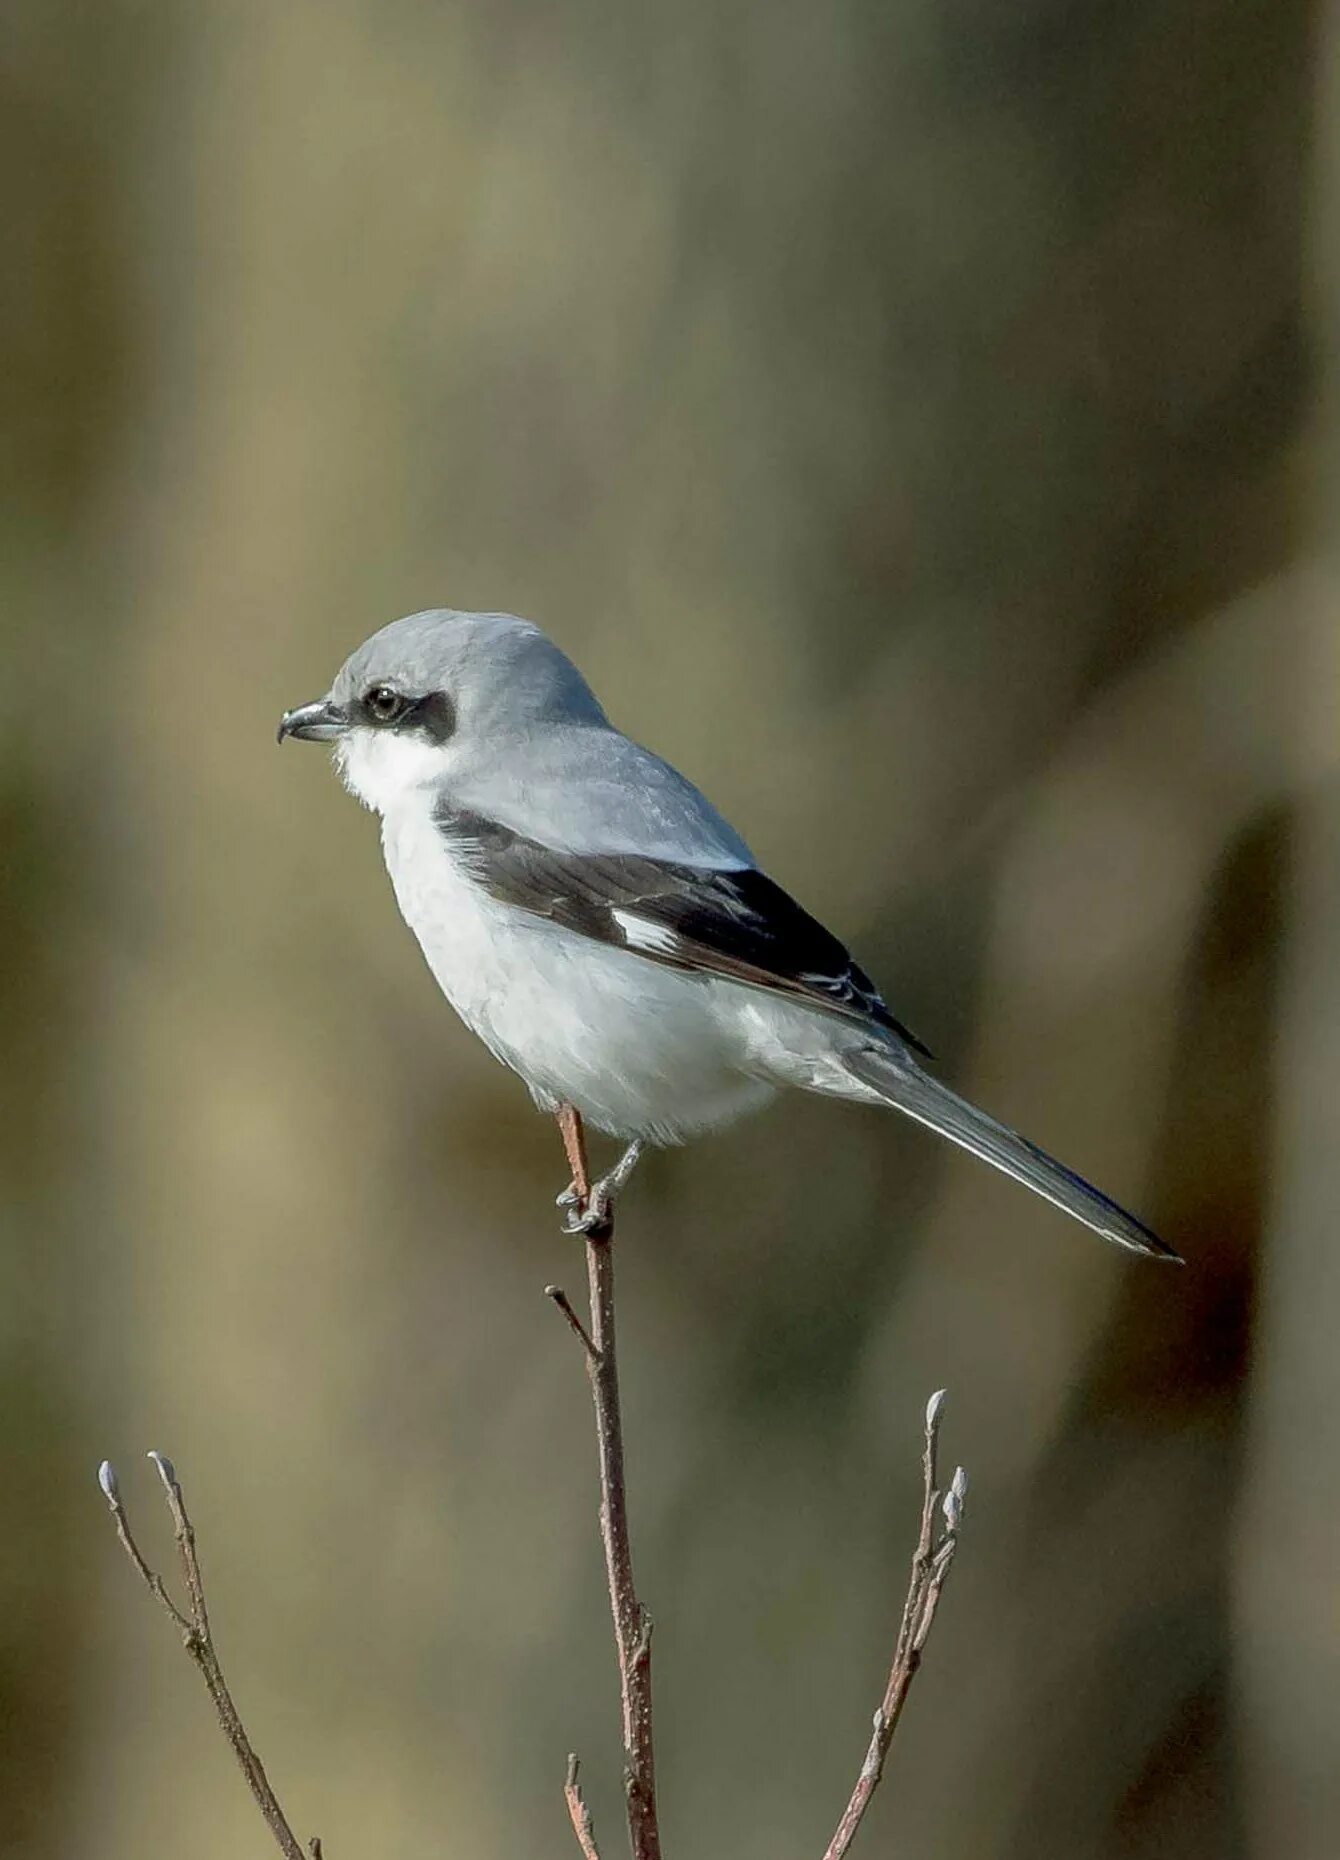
(916,420)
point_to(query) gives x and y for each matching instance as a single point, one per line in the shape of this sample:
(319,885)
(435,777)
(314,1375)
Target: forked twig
(632,1623)
(941,1518)
(198,1640)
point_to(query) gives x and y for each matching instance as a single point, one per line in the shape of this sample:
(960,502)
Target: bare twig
(194,1628)
(941,1517)
(579,1813)
(632,1623)
(573,1133)
(564,1304)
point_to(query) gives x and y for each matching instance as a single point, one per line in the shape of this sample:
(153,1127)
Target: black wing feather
(736,924)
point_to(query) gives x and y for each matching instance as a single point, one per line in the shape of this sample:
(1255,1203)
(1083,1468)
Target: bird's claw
(593,1213)
(587,1217)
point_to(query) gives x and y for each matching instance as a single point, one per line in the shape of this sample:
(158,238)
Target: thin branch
(579,1813)
(198,1640)
(632,1623)
(937,1540)
(573,1133)
(564,1303)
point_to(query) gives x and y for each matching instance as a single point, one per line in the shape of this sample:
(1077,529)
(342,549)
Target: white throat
(385,769)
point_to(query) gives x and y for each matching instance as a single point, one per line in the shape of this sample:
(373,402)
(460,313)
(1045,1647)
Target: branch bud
(954,1499)
(163,1466)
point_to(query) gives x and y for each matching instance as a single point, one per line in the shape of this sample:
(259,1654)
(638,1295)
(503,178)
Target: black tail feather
(903,1084)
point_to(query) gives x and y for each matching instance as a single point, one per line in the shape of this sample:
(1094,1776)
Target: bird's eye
(384,703)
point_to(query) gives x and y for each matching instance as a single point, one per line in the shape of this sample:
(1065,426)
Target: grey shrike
(600,926)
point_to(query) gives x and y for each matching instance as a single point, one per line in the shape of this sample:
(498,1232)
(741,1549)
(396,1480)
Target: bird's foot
(590,1217)
(585,1216)
(594,1213)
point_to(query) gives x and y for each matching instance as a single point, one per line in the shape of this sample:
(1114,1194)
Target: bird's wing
(725,921)
(592,790)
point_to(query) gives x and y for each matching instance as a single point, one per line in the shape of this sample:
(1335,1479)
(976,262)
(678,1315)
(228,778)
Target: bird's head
(421,696)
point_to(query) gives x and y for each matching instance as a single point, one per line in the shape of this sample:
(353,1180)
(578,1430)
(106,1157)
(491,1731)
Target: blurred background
(919,422)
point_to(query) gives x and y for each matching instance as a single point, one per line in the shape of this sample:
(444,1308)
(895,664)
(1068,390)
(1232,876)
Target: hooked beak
(321,722)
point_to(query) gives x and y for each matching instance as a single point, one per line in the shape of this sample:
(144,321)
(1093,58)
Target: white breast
(640,1049)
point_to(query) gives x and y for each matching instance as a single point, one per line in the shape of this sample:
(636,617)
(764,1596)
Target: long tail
(902,1083)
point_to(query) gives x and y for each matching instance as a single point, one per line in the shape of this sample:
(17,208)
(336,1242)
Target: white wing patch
(643,935)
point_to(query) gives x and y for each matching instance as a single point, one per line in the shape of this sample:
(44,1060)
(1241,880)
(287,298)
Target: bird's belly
(639,1049)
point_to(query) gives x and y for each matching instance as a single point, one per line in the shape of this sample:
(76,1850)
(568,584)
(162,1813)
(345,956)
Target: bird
(603,929)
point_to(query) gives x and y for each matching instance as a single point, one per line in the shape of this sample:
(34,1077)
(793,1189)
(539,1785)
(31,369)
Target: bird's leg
(611,1184)
(588,1213)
